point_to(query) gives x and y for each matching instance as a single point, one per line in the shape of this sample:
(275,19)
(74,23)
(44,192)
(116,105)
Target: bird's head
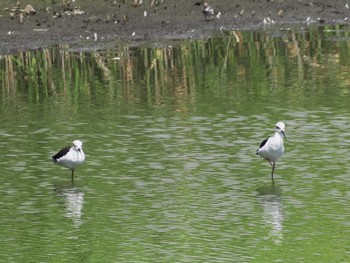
(280,128)
(78,145)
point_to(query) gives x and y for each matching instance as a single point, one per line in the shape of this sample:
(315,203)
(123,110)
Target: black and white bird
(272,148)
(70,157)
(209,13)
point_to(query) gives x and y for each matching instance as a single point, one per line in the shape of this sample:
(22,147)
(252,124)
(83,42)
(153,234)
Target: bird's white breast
(72,159)
(273,149)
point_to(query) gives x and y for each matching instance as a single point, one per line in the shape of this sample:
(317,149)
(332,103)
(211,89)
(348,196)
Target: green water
(170,134)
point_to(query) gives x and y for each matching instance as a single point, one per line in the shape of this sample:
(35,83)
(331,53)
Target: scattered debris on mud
(33,23)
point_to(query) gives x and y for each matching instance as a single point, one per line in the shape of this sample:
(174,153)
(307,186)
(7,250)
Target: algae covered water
(170,135)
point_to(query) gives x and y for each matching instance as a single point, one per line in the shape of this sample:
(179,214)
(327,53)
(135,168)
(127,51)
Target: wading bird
(70,157)
(209,12)
(271,149)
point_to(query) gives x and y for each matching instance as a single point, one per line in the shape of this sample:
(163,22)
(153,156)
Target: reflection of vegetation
(234,64)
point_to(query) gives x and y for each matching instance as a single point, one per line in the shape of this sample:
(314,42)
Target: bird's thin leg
(72,176)
(269,161)
(273,169)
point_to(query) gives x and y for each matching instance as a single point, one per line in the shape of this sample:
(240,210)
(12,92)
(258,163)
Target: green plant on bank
(152,75)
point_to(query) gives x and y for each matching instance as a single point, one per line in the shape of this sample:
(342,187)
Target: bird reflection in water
(74,201)
(270,199)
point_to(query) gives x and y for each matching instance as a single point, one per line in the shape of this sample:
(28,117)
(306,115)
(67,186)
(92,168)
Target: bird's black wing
(262,144)
(61,153)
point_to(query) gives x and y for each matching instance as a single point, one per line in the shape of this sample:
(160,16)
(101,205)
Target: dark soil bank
(64,21)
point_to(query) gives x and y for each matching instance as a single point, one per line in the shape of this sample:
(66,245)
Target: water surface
(170,134)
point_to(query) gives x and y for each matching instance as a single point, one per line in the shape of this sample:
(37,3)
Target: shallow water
(170,134)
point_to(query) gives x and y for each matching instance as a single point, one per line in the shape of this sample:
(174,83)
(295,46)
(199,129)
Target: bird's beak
(81,153)
(284,135)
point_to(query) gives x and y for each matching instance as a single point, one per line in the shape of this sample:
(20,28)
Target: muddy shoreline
(91,22)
